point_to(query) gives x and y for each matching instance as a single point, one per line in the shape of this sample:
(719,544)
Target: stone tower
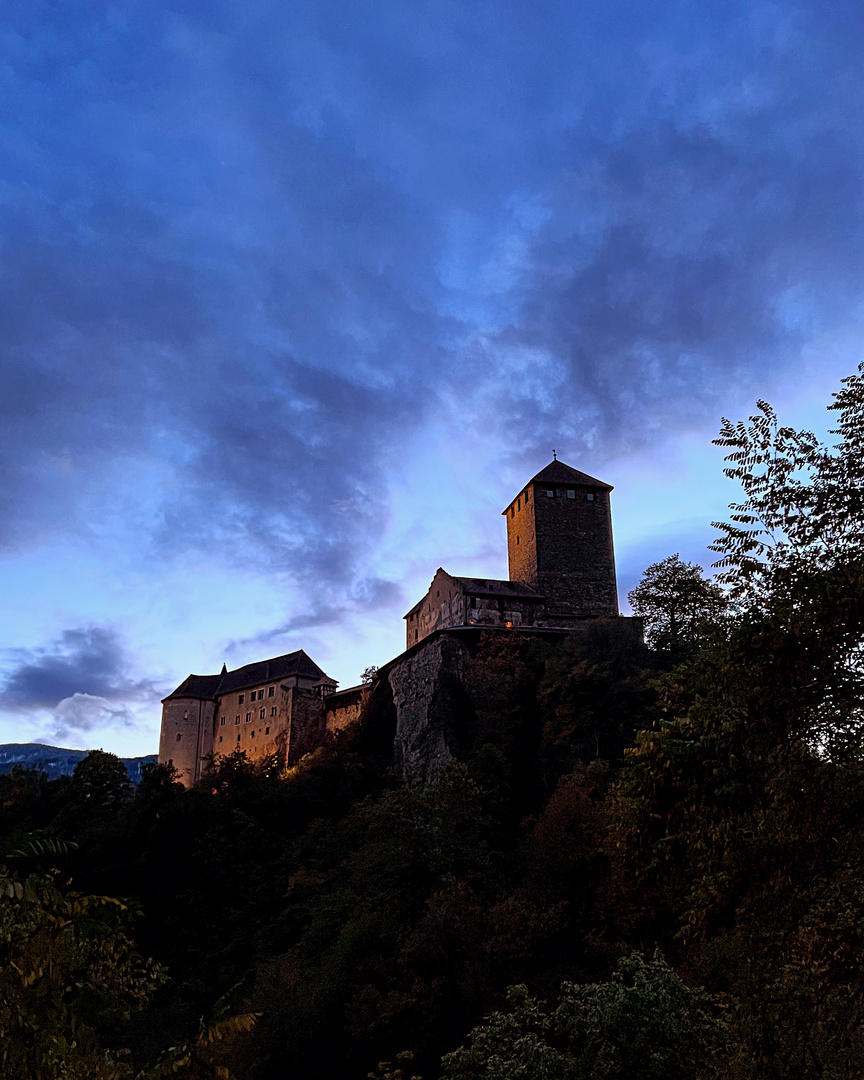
(559,540)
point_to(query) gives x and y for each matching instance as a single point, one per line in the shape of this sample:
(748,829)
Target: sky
(294,297)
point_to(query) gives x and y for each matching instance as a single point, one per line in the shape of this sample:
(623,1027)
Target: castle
(562,574)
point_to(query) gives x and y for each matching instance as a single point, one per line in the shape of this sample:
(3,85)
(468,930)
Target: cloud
(249,258)
(82,674)
(84,713)
(369,594)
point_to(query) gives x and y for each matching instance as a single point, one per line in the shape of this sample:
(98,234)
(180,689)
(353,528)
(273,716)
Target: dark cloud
(82,666)
(367,595)
(250,253)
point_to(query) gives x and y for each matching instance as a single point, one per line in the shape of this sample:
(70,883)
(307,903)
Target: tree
(69,978)
(803,501)
(676,602)
(792,559)
(100,780)
(643,1022)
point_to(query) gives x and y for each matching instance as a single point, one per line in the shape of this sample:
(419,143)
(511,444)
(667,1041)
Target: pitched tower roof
(556,472)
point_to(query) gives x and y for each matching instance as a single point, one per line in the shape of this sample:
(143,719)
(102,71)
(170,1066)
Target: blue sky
(293,297)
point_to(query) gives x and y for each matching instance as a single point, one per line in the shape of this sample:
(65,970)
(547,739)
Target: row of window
(251,734)
(261,714)
(257,695)
(549,493)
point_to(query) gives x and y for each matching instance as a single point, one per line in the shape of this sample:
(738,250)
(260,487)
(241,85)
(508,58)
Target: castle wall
(522,538)
(425,685)
(308,726)
(575,560)
(186,736)
(258,735)
(343,708)
(443,606)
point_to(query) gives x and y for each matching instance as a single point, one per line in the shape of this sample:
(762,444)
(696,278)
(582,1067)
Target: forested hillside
(648,863)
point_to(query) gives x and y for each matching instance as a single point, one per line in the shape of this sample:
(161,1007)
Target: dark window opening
(266,730)
(240,699)
(252,734)
(262,713)
(260,695)
(248,717)
(273,711)
(271,691)
(415,635)
(518,504)
(221,721)
(238,736)
(179,736)
(220,738)
(512,511)
(517,541)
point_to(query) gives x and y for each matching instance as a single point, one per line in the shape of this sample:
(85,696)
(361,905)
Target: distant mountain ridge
(57,761)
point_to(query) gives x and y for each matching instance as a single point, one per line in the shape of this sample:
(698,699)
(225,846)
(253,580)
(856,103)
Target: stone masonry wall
(426,686)
(258,736)
(186,736)
(442,606)
(575,556)
(308,725)
(522,538)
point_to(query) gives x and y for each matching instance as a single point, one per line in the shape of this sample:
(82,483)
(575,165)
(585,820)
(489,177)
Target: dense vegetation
(649,861)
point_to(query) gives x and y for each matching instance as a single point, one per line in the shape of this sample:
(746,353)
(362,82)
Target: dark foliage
(609,801)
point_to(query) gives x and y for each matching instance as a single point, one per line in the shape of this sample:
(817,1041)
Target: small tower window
(517,541)
(571,494)
(253,733)
(238,736)
(519,504)
(271,691)
(273,711)
(550,493)
(262,713)
(179,736)
(236,719)
(260,695)
(590,496)
(512,511)
(221,721)
(241,699)
(526,496)
(248,717)
(220,738)
(266,730)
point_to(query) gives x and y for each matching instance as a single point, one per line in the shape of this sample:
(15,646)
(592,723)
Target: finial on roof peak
(224,670)
(554,455)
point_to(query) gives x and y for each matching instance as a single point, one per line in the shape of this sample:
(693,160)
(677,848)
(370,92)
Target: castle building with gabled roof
(561,562)
(269,707)
(562,574)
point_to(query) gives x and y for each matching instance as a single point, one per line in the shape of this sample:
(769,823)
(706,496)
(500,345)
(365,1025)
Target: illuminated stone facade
(561,562)
(279,706)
